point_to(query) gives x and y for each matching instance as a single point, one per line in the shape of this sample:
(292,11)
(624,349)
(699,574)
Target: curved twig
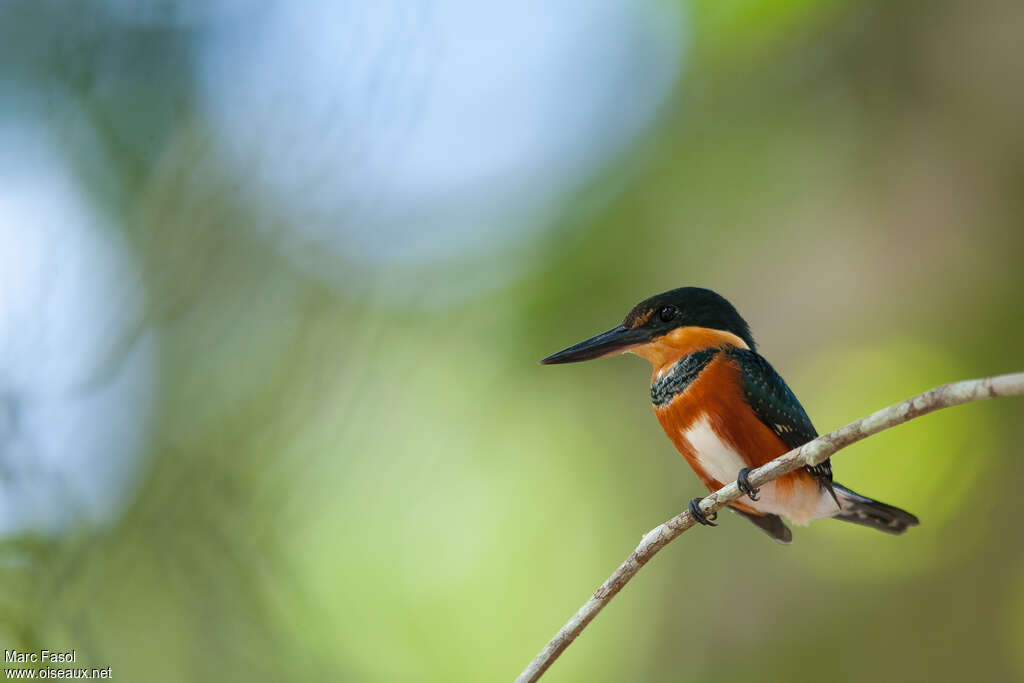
(811,453)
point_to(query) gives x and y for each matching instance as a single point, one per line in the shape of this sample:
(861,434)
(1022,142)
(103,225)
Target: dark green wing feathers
(772,400)
(777,407)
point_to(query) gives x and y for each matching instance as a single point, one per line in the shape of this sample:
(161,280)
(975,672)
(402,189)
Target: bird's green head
(665,325)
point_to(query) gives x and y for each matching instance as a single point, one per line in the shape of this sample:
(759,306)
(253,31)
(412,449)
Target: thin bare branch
(811,453)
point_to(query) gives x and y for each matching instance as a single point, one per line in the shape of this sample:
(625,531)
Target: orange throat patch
(667,349)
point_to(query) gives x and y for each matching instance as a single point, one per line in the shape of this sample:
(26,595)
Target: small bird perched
(727,411)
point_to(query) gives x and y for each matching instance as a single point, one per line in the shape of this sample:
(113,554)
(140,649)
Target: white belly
(720,461)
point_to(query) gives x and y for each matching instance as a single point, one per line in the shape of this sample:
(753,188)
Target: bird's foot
(744,484)
(699,515)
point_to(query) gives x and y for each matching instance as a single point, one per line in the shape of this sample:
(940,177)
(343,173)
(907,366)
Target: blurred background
(274,279)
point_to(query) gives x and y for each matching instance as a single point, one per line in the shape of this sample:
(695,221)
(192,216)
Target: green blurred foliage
(346,487)
(735,30)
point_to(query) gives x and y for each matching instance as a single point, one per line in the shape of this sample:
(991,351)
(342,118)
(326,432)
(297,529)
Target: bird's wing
(775,405)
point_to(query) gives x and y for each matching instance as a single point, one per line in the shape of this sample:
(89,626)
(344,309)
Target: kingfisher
(727,411)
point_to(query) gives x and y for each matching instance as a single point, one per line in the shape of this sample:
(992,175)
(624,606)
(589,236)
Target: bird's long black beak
(615,340)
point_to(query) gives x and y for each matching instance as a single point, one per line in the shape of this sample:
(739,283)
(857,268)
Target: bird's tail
(863,510)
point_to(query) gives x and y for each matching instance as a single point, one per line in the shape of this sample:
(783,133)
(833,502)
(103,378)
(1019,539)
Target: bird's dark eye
(668,313)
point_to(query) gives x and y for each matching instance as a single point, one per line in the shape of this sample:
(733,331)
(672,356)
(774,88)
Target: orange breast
(716,397)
